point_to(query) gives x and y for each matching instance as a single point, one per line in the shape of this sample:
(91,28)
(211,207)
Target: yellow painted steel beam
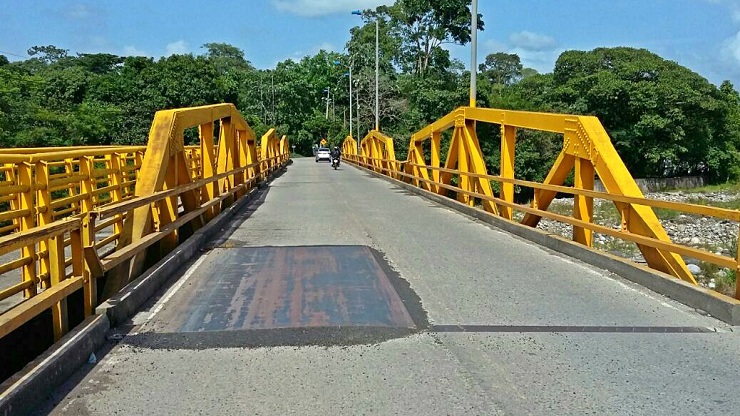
(165,143)
(440,125)
(617,180)
(24,312)
(508,143)
(523,119)
(583,206)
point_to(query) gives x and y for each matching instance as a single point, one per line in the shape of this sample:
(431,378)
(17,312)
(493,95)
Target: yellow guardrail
(80,216)
(587,150)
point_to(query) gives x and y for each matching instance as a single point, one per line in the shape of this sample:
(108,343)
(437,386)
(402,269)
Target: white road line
(171,291)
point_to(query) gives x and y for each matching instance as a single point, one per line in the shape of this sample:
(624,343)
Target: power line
(12,54)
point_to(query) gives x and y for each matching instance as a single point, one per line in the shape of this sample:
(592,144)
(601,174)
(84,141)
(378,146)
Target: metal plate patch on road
(290,295)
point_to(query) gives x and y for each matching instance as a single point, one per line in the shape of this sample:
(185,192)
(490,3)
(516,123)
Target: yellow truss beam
(586,148)
(165,166)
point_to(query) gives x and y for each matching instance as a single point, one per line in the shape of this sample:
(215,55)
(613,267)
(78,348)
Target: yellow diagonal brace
(617,180)
(542,198)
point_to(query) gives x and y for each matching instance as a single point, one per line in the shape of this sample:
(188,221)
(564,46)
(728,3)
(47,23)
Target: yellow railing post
(116,162)
(208,166)
(56,275)
(87,183)
(583,206)
(26,202)
(435,159)
(46,216)
(737,268)
(508,143)
(226,154)
(86,241)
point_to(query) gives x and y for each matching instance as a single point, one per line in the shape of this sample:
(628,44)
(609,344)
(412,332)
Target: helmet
(336,148)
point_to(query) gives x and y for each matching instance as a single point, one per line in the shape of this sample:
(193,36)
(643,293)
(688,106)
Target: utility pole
(474,53)
(328,89)
(377,57)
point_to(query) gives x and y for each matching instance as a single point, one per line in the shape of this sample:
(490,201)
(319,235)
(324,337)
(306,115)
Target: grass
(724,278)
(731,204)
(723,187)
(606,213)
(612,245)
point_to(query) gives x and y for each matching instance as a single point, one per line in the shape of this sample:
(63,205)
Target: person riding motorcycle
(336,153)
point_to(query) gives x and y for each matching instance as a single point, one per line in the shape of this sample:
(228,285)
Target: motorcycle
(335,162)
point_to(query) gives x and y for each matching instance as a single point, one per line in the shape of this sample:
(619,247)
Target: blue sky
(703,35)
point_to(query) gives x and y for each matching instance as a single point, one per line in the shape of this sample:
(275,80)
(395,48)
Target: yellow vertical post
(375,154)
(462,165)
(243,156)
(46,216)
(208,164)
(116,162)
(56,275)
(138,161)
(253,172)
(87,239)
(69,171)
(87,183)
(190,199)
(226,156)
(508,143)
(435,150)
(27,222)
(737,268)
(12,176)
(168,206)
(583,206)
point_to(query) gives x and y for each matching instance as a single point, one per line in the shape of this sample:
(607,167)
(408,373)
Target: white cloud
(542,61)
(133,51)
(731,49)
(530,41)
(326,46)
(312,8)
(733,5)
(80,11)
(177,48)
(493,46)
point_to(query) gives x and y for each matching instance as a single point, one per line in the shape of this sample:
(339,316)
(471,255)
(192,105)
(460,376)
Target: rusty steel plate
(254,288)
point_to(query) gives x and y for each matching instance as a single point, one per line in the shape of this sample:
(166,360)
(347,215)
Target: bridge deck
(335,293)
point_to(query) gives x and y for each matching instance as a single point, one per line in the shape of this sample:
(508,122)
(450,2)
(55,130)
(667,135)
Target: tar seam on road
(589,329)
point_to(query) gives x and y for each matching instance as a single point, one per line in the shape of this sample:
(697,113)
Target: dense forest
(664,119)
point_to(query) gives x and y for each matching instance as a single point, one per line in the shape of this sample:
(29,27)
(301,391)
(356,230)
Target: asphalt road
(500,325)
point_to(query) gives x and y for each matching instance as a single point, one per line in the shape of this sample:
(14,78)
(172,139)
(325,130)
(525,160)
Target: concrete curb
(21,392)
(722,307)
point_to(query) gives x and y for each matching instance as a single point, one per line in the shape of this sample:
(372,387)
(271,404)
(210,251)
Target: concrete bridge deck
(339,293)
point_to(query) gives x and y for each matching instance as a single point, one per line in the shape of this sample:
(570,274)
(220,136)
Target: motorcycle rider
(336,153)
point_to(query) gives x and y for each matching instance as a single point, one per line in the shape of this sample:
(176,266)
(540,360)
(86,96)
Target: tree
(99,63)
(422,26)
(226,56)
(48,54)
(4,60)
(663,118)
(502,68)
